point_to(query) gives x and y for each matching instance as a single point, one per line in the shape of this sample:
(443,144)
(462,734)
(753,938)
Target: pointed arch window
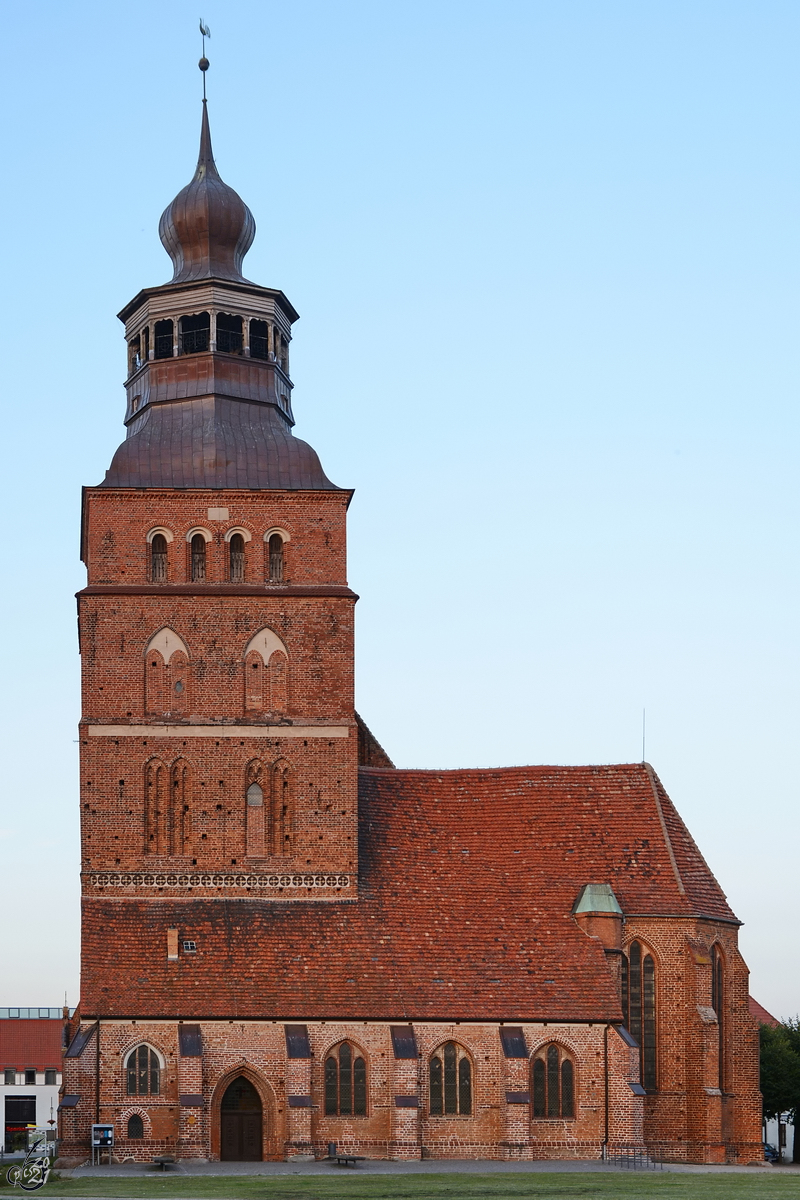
(154,807)
(281,818)
(345,1082)
(553,1083)
(639,1008)
(135,1127)
(198,558)
(143,1072)
(718,1005)
(236,558)
(254,815)
(181,823)
(450,1082)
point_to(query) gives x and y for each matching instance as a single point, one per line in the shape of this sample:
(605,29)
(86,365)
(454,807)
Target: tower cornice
(213,287)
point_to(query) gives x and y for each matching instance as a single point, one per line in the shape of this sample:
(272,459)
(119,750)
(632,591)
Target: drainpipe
(97,1078)
(605,1059)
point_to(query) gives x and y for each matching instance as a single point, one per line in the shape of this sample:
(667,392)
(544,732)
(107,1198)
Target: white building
(31,1046)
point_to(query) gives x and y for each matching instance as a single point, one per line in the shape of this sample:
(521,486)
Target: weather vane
(203,64)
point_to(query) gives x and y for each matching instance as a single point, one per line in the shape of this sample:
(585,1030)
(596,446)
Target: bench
(341,1159)
(163,1161)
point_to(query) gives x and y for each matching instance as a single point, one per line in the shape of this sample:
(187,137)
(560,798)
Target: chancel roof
(464,911)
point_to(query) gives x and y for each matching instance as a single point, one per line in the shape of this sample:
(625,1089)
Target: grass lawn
(640,1185)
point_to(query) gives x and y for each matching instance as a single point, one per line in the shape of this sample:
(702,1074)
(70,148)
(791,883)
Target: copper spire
(208,228)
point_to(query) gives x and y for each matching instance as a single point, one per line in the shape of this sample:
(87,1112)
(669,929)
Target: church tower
(218,738)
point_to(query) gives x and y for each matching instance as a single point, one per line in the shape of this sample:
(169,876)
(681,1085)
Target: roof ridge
(676,816)
(651,775)
(632,767)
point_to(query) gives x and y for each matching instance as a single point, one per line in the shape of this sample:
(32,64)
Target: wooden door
(241,1123)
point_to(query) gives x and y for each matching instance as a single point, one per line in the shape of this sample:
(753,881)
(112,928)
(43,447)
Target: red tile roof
(468,879)
(760,1013)
(30,1044)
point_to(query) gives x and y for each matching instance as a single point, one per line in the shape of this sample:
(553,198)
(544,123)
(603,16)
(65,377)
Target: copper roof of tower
(217,442)
(208,228)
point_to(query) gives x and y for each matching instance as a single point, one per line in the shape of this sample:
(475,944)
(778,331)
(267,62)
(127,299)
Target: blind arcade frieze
(214,879)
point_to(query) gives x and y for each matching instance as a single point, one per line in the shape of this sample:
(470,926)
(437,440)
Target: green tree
(792,1028)
(780,1072)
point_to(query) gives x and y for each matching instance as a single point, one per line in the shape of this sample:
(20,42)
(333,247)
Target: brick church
(286,941)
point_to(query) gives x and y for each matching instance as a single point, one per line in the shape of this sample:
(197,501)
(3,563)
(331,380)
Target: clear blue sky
(546,260)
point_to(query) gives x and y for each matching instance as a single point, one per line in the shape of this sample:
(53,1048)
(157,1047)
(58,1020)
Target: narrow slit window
(198,555)
(567,1089)
(539,1089)
(158,559)
(635,991)
(649,1023)
(276,558)
(553,1088)
(437,1105)
(718,1003)
(237,558)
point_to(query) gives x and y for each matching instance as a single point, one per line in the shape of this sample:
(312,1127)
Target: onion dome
(208,228)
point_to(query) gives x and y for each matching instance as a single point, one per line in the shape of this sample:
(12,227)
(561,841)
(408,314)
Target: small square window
(190,947)
(51,1077)
(30,1076)
(10,1076)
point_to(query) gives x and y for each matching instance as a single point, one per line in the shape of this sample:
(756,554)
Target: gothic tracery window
(345,1082)
(450,1082)
(639,1007)
(143,1071)
(553,1083)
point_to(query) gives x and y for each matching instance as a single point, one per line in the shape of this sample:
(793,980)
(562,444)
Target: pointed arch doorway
(241,1133)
